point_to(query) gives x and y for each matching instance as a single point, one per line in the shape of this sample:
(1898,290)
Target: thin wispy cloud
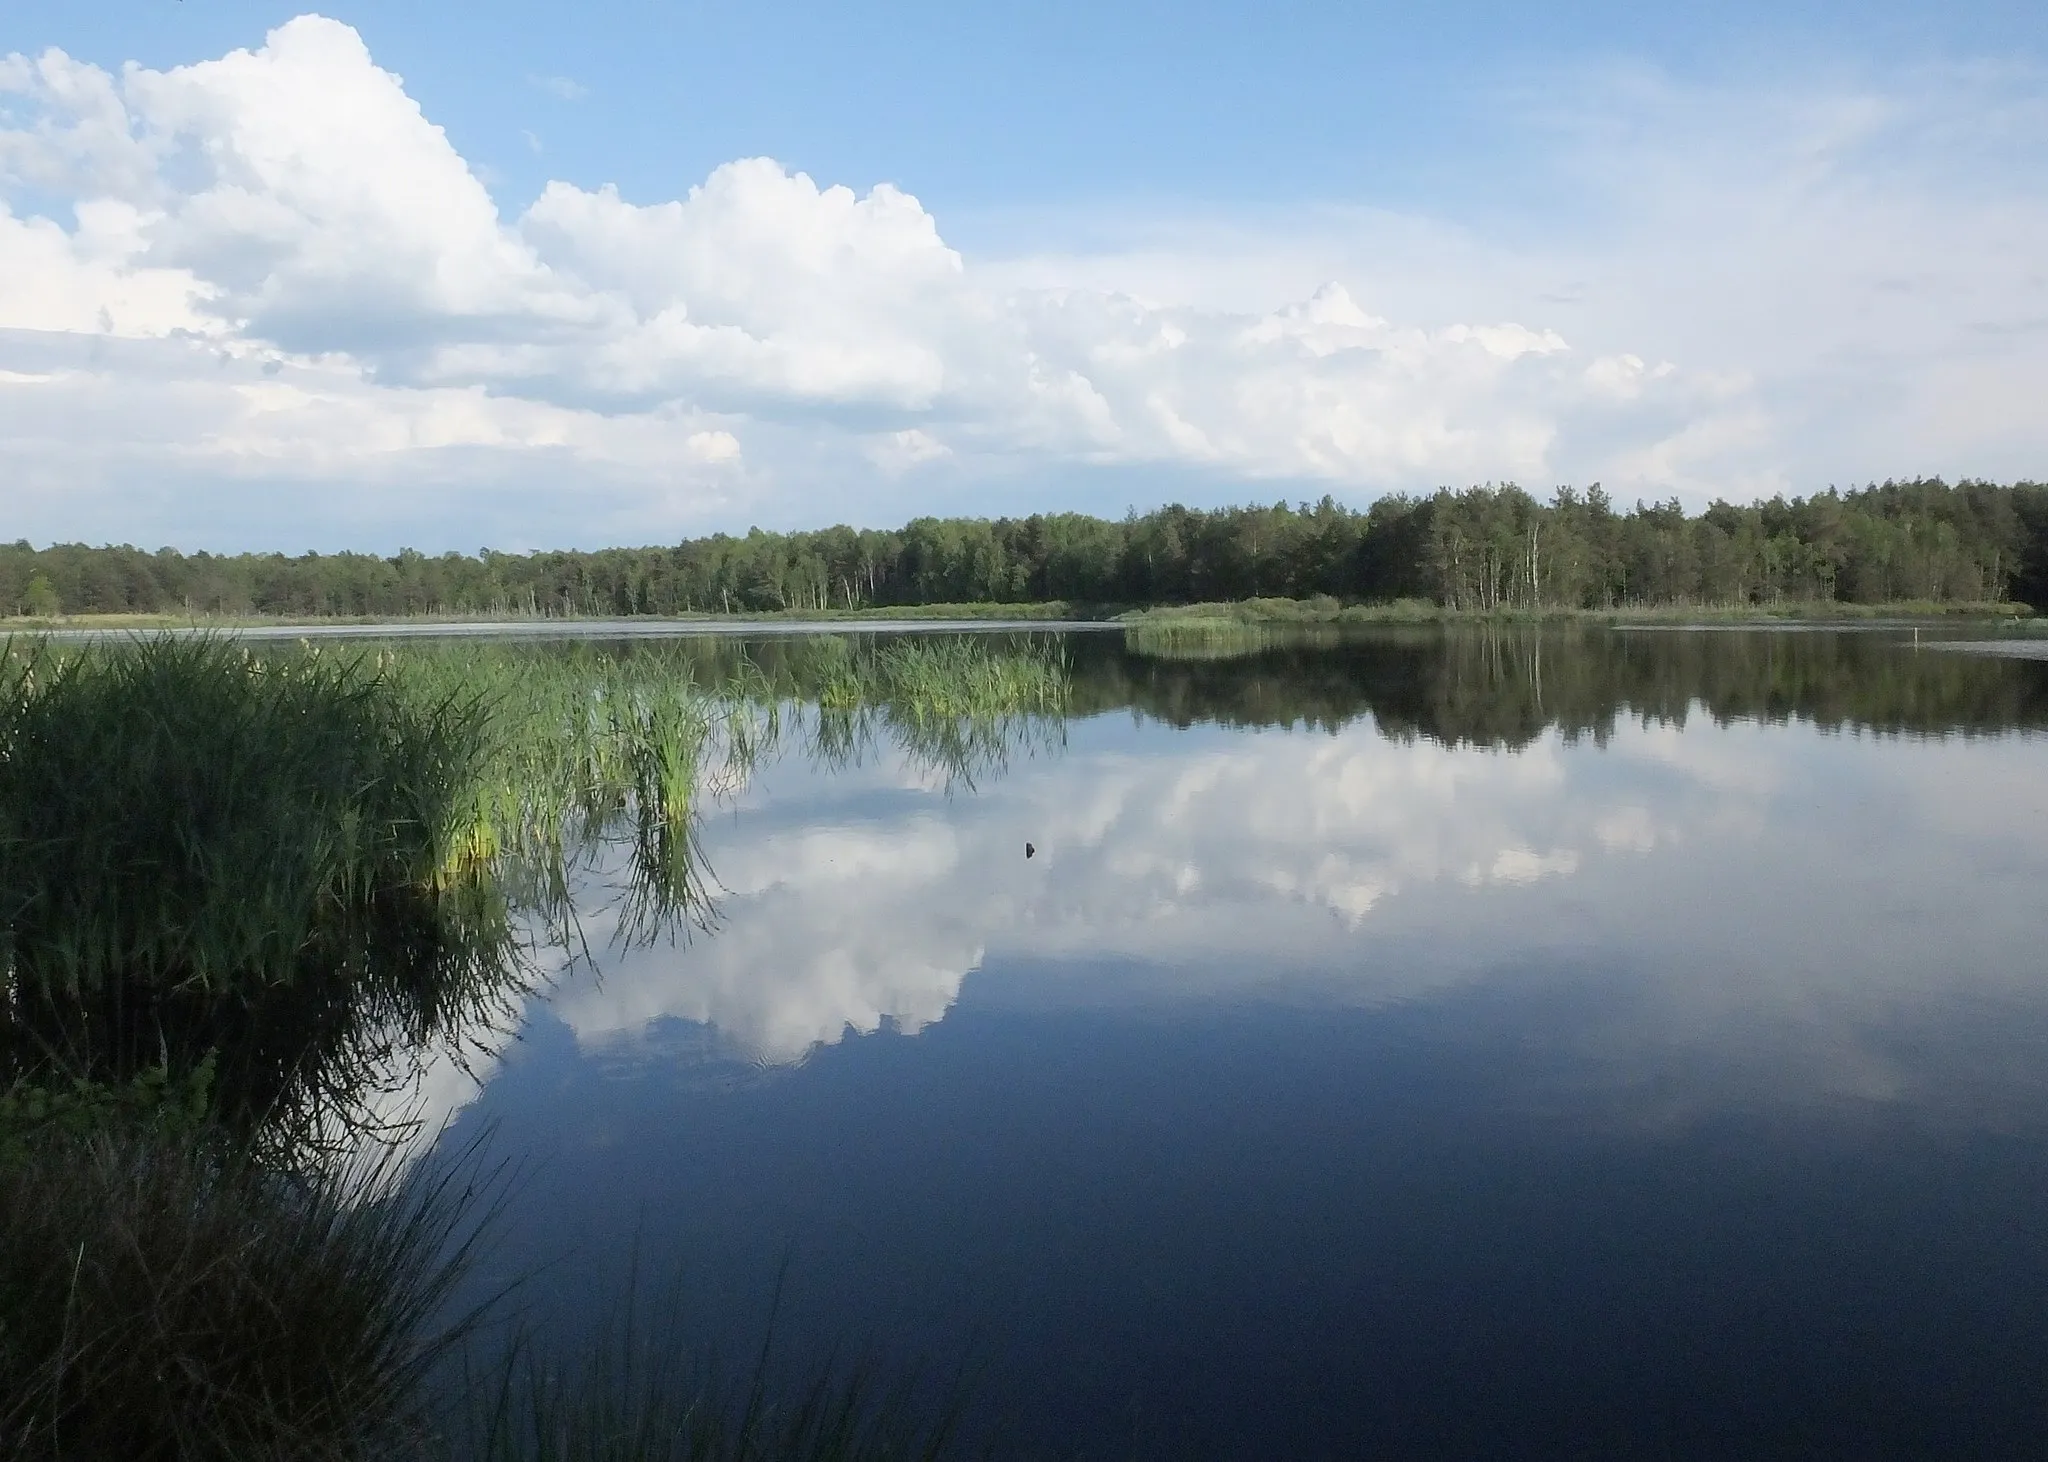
(562,88)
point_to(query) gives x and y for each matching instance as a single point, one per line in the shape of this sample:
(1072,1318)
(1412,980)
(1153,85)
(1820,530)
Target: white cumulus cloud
(290,210)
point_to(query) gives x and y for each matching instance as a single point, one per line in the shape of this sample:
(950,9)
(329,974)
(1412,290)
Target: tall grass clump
(164,1296)
(1252,626)
(591,746)
(587,751)
(1222,639)
(204,851)
(958,676)
(956,706)
(591,752)
(233,887)
(306,862)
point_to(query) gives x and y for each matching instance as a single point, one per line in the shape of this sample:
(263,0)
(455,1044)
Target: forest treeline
(1487,548)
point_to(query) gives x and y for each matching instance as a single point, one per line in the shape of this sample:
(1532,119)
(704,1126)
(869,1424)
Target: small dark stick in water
(1029,850)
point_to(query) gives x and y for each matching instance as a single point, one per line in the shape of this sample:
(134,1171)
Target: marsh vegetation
(166,1293)
(239,889)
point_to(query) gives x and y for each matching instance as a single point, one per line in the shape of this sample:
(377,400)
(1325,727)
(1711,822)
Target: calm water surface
(1584,1045)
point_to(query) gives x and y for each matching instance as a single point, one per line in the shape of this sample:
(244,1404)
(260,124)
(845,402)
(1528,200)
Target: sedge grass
(274,871)
(205,852)
(304,862)
(1224,639)
(584,749)
(954,708)
(167,1297)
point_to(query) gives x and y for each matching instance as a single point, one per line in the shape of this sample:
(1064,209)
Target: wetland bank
(1403,1038)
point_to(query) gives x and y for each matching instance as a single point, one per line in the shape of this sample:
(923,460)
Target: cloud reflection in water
(1348,867)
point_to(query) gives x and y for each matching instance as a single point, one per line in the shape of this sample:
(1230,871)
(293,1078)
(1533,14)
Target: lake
(1575,1043)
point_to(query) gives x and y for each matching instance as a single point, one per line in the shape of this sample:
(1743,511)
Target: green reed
(207,851)
(595,745)
(584,750)
(234,886)
(1223,639)
(955,707)
(309,861)
(167,1293)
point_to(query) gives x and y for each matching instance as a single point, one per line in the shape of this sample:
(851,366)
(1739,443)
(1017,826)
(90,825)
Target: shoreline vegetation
(1267,611)
(1208,629)
(243,891)
(1051,611)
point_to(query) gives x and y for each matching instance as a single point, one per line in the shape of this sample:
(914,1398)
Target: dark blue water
(1391,1049)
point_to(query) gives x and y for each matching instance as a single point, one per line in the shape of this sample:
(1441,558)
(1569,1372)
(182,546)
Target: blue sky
(1050,104)
(1085,256)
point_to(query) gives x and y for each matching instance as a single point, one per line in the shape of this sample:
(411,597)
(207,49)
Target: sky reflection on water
(1322,1092)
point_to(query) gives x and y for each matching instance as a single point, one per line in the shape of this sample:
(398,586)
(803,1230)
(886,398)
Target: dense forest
(1490,548)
